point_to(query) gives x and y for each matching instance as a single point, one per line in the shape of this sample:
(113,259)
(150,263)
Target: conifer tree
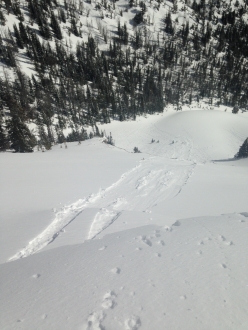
(44,139)
(168,24)
(18,37)
(8,5)
(55,26)
(45,30)
(23,33)
(131,3)
(243,151)
(21,139)
(3,137)
(2,18)
(74,28)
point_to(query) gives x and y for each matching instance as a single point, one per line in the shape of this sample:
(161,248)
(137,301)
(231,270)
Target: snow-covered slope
(192,275)
(150,268)
(67,65)
(195,135)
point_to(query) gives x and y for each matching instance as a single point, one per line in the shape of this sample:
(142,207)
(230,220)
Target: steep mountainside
(73,64)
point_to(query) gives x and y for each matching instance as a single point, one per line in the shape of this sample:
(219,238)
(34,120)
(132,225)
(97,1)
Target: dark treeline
(134,76)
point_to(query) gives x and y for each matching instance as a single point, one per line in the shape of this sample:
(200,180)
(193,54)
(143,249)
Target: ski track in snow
(139,189)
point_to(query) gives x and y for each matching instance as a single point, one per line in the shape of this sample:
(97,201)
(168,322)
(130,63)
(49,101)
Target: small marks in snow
(177,223)
(161,243)
(94,321)
(102,248)
(145,240)
(132,294)
(115,270)
(200,243)
(167,228)
(109,300)
(199,252)
(138,249)
(222,238)
(147,211)
(156,232)
(44,316)
(35,276)
(158,255)
(119,202)
(184,297)
(132,323)
(223,266)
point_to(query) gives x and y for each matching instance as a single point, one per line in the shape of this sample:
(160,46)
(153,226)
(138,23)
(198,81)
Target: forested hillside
(74,64)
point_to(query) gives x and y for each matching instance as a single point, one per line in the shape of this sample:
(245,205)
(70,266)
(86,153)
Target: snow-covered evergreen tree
(243,150)
(3,138)
(21,139)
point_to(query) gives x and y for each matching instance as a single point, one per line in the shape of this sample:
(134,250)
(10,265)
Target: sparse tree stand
(21,140)
(136,150)
(243,150)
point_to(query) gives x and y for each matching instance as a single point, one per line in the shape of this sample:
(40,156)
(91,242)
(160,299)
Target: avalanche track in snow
(154,180)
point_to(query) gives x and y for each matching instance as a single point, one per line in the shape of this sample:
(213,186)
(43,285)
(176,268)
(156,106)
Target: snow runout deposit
(155,240)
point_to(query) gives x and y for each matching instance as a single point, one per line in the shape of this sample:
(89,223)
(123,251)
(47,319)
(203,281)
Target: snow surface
(156,239)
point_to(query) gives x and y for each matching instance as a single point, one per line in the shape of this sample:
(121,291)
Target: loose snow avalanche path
(182,141)
(62,219)
(140,189)
(153,182)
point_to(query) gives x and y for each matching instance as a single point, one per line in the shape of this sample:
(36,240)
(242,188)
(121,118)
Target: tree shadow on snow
(224,160)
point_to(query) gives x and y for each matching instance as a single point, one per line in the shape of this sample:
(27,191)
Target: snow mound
(187,276)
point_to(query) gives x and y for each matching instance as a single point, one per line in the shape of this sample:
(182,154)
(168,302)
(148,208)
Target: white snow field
(98,237)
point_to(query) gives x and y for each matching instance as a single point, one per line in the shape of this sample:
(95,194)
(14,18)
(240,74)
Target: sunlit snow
(98,237)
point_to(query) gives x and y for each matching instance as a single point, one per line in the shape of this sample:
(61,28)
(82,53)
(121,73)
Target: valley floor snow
(156,239)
